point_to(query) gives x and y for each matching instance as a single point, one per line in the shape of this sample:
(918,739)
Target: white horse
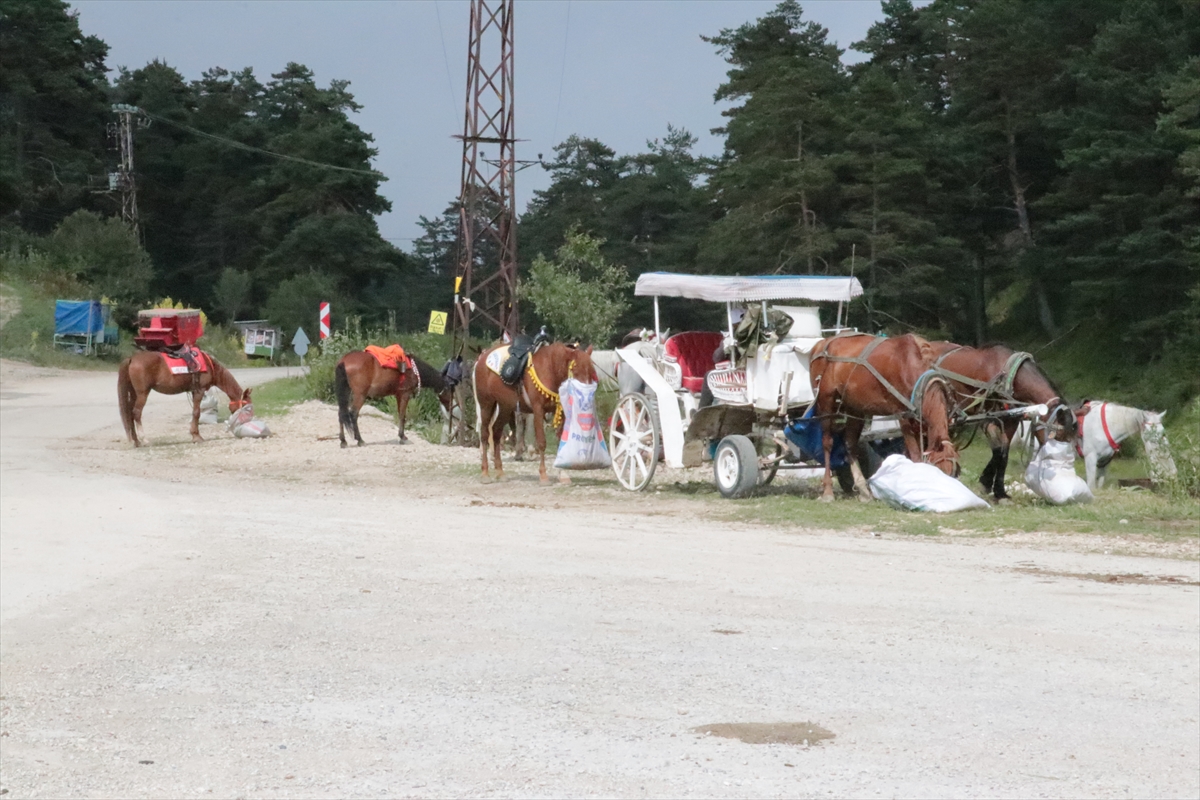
(1102,428)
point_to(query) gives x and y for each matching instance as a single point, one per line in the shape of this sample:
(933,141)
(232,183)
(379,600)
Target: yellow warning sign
(437,321)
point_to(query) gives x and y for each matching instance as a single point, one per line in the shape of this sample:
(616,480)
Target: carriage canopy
(749,288)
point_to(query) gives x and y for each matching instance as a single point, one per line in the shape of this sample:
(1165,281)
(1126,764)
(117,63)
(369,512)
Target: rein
(1000,386)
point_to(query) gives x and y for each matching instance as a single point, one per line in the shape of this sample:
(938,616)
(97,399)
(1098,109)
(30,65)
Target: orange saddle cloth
(390,357)
(185,360)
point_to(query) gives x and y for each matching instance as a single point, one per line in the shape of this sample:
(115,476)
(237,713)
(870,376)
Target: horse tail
(125,398)
(341,384)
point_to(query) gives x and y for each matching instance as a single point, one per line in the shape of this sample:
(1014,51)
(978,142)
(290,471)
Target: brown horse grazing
(859,375)
(985,380)
(146,370)
(359,377)
(537,393)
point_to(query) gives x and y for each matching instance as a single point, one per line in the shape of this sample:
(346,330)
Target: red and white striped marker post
(324,316)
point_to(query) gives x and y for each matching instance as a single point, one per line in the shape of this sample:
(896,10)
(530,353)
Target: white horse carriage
(741,397)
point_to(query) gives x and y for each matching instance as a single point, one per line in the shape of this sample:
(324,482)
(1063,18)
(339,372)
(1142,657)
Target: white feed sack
(921,487)
(244,426)
(208,407)
(1051,475)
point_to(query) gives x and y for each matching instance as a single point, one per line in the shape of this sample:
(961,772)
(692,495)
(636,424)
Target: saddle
(523,345)
(185,359)
(390,357)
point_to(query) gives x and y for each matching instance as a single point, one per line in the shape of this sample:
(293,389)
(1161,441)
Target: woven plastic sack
(1051,475)
(920,487)
(245,426)
(582,443)
(208,407)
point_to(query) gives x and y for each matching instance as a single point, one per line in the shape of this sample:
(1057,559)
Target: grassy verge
(1162,516)
(276,397)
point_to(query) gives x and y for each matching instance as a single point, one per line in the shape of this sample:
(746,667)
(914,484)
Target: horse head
(1060,421)
(580,364)
(935,411)
(241,402)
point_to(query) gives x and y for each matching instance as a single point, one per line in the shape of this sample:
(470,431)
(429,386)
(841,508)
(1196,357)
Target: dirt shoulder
(304,452)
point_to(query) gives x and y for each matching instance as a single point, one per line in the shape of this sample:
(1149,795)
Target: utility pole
(120,136)
(485,286)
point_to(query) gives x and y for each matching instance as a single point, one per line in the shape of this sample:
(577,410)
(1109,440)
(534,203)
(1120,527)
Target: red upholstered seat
(694,352)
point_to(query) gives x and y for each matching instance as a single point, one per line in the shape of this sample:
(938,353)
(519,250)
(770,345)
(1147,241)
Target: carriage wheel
(735,466)
(634,442)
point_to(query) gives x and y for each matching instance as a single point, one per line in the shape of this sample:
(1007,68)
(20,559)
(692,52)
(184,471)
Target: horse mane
(223,379)
(431,377)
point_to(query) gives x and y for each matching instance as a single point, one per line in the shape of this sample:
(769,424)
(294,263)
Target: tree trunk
(1045,313)
(979,304)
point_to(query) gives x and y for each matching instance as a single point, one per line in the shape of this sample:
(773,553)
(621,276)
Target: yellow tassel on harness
(548,393)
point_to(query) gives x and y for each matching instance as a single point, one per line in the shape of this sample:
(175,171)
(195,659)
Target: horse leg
(195,429)
(850,434)
(1089,465)
(139,402)
(484,409)
(498,439)
(401,410)
(912,439)
(356,406)
(1007,432)
(538,420)
(827,479)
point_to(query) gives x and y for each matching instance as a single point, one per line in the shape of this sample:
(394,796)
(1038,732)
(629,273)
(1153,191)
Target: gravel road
(288,619)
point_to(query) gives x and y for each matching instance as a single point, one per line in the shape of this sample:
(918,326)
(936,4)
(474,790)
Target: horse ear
(589,350)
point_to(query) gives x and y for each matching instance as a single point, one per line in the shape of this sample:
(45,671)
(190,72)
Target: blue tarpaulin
(806,434)
(79,317)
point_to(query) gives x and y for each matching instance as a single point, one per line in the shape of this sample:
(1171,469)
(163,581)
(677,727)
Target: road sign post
(300,344)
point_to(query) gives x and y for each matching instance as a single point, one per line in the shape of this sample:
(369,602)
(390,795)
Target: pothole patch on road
(1110,577)
(805,734)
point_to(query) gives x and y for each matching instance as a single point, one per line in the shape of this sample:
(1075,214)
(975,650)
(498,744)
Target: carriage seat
(693,351)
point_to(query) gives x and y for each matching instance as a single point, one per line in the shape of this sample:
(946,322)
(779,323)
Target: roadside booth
(85,326)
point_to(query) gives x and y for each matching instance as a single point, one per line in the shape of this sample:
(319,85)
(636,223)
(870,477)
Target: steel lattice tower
(486,284)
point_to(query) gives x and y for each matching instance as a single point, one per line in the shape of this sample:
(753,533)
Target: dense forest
(1018,169)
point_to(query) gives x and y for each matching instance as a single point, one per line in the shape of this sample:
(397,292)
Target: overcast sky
(612,70)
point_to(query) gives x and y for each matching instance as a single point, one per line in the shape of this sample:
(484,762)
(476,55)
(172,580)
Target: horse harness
(1079,417)
(1000,386)
(912,404)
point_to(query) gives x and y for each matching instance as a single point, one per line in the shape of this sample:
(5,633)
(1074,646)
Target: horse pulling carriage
(763,394)
(688,398)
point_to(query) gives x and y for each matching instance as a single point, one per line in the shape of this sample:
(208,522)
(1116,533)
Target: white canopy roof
(735,288)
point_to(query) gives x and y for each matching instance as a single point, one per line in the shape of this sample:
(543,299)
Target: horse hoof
(360,443)
(826,498)
(344,445)
(864,498)
(564,480)
(485,479)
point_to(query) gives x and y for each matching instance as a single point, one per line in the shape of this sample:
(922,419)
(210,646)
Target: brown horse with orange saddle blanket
(859,375)
(387,372)
(536,392)
(146,370)
(987,380)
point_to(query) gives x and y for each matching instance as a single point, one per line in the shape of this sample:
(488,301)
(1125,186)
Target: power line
(251,149)
(561,75)
(445,55)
